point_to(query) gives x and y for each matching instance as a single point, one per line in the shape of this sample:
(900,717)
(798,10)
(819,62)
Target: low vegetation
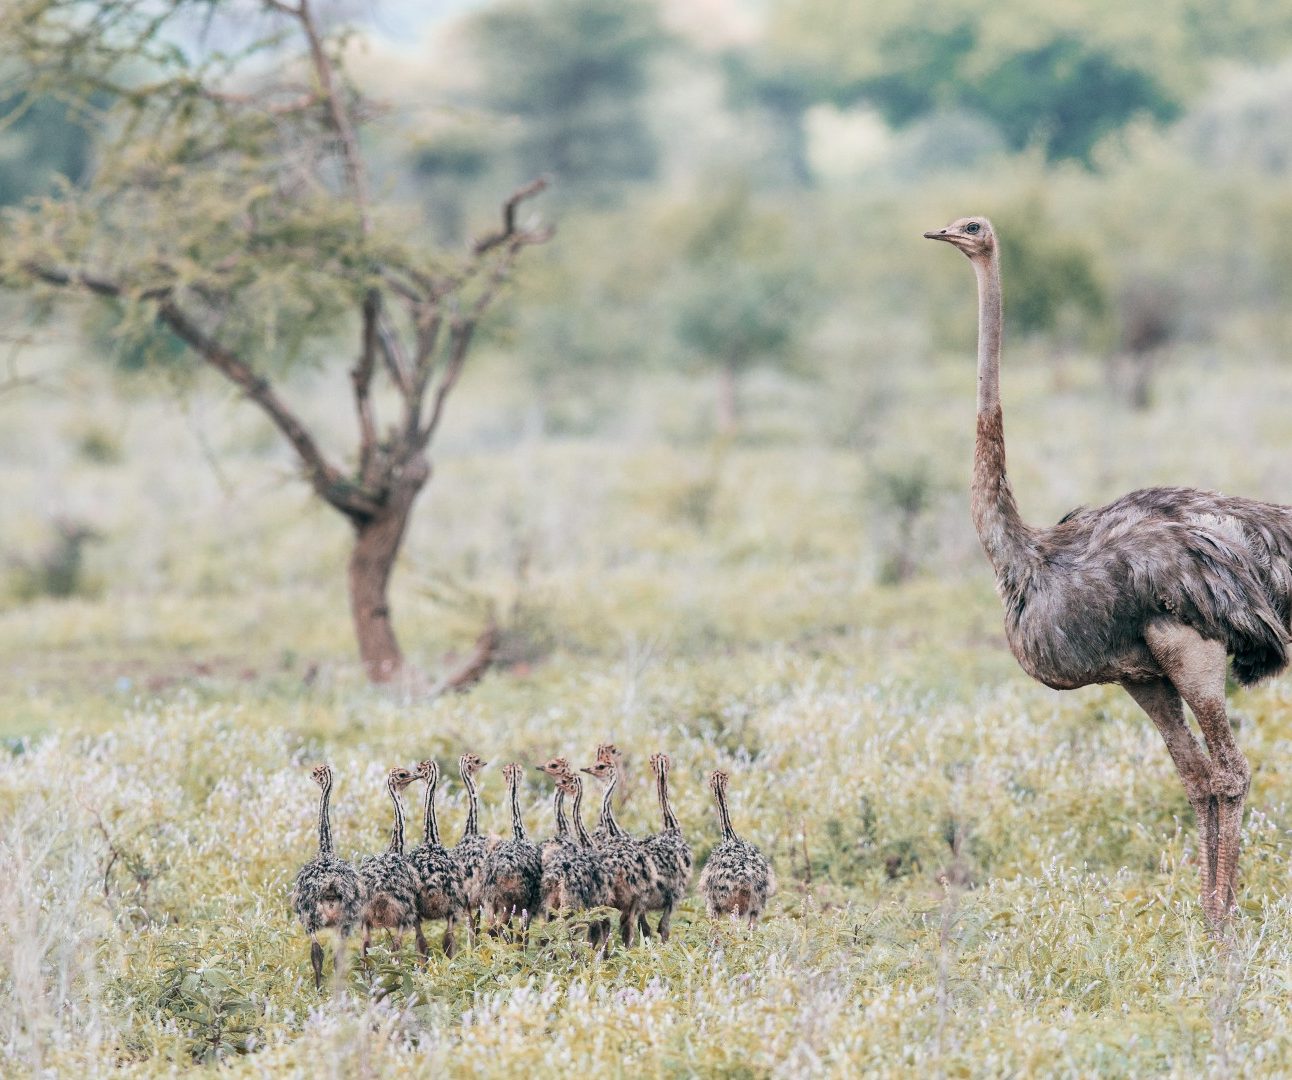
(977,876)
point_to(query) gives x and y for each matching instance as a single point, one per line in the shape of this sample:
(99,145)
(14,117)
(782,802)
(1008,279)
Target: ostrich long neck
(432,831)
(608,807)
(720,794)
(661,789)
(579,830)
(472,827)
(558,809)
(995,513)
(397,831)
(517,826)
(325,820)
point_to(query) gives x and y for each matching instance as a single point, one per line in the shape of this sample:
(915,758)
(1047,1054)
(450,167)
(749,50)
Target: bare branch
(361,378)
(429,319)
(460,332)
(400,287)
(355,173)
(327,479)
(473,668)
(392,354)
(509,230)
(100,286)
(462,327)
(300,103)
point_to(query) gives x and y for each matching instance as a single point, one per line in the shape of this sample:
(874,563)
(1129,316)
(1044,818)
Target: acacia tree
(229,206)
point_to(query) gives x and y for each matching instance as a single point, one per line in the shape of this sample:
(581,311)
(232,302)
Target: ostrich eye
(972,227)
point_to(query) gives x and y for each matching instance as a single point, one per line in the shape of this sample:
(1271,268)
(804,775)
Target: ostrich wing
(1222,565)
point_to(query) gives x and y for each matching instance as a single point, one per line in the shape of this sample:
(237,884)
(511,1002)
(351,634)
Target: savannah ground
(720,601)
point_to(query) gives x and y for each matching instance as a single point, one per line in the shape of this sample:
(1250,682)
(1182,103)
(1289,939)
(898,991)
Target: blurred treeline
(741,184)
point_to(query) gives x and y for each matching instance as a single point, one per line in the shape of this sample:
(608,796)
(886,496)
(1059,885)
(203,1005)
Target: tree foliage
(574,73)
(1050,278)
(230,204)
(1063,95)
(41,142)
(742,293)
(1059,77)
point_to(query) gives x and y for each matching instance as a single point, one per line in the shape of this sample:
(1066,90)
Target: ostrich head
(471,763)
(603,770)
(400,777)
(972,235)
(428,771)
(321,774)
(555,767)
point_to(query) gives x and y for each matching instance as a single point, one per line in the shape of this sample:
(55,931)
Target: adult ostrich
(1154,591)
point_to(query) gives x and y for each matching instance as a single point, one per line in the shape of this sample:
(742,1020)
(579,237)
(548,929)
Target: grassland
(718,601)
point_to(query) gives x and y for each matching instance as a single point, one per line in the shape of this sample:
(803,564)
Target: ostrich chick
(737,879)
(389,878)
(328,894)
(668,849)
(512,870)
(441,889)
(469,852)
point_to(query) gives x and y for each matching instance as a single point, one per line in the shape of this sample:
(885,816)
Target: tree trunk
(728,414)
(376,546)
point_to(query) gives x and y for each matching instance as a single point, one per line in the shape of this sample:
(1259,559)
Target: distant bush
(59,571)
(900,499)
(99,445)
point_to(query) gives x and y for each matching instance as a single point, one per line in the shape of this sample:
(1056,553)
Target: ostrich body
(469,852)
(554,846)
(1154,591)
(389,878)
(634,880)
(574,876)
(512,870)
(441,890)
(552,852)
(328,894)
(668,849)
(737,878)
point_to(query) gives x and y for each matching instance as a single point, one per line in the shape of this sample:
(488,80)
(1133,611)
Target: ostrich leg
(1166,709)
(316,958)
(1197,668)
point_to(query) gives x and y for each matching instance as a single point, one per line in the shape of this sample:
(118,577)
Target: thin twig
(508,230)
(355,173)
(361,379)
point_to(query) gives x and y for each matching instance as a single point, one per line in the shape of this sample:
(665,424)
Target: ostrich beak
(938,234)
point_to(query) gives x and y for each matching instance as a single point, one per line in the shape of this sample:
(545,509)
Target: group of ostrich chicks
(516,878)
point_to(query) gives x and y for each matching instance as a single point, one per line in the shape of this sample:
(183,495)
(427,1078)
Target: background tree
(1059,292)
(230,204)
(1149,310)
(1039,79)
(575,74)
(760,80)
(741,296)
(40,141)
